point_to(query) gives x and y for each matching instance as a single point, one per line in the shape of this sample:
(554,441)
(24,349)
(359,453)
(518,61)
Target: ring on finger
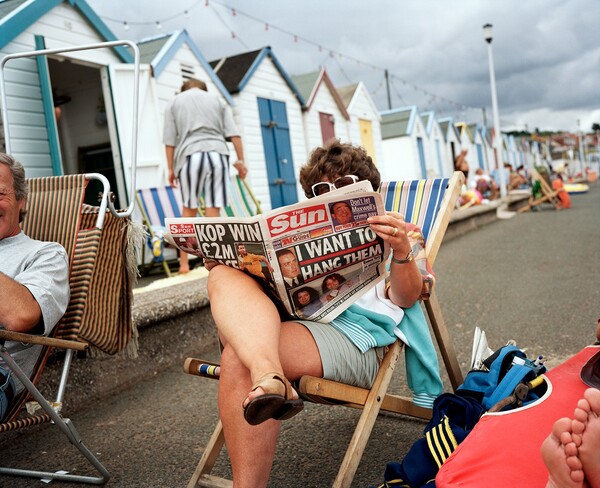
(395,232)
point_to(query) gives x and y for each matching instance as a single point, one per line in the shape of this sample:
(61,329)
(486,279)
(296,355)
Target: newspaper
(315,264)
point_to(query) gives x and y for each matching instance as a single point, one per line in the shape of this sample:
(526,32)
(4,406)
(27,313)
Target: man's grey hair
(19,182)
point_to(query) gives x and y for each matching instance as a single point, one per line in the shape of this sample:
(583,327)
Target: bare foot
(589,450)
(560,456)
(183,270)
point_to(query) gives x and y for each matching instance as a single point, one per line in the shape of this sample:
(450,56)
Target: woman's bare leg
(254,340)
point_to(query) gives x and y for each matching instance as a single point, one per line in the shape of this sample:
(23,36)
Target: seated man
(34,277)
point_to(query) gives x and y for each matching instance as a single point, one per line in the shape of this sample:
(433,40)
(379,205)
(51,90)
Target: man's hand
(173,181)
(241,168)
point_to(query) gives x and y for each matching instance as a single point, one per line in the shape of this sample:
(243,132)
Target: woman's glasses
(325,186)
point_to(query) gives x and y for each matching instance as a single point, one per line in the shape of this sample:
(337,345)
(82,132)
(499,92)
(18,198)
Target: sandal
(276,403)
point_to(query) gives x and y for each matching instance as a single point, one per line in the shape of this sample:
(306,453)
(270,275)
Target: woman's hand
(391,227)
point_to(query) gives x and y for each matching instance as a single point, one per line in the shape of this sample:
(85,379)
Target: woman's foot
(271,397)
(560,456)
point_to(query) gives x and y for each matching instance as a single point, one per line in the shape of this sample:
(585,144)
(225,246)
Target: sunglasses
(325,187)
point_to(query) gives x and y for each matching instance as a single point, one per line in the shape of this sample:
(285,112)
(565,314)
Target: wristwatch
(409,257)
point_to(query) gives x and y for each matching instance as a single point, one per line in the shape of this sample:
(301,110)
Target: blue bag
(506,368)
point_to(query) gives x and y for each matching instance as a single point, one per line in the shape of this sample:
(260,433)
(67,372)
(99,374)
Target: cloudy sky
(546,52)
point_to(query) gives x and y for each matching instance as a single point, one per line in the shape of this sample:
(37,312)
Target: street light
(487,33)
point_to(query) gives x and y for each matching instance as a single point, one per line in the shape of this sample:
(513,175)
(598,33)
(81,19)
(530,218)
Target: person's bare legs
(587,422)
(184,261)
(254,340)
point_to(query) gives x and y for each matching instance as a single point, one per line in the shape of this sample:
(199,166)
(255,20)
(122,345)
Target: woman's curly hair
(337,159)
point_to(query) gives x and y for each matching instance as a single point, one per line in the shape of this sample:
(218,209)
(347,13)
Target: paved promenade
(533,278)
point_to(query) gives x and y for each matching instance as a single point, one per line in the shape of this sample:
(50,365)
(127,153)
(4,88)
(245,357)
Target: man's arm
(19,311)
(240,165)
(170,152)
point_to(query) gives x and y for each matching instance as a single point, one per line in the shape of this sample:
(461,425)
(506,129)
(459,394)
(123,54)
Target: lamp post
(487,33)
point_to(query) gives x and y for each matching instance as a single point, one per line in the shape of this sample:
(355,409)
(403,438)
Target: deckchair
(155,205)
(428,204)
(55,213)
(542,190)
(242,202)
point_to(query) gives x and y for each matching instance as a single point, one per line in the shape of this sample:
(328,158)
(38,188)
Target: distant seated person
(461,163)
(484,184)
(306,301)
(516,180)
(34,279)
(468,198)
(563,195)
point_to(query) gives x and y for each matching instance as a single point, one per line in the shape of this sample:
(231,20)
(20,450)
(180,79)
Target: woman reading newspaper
(263,351)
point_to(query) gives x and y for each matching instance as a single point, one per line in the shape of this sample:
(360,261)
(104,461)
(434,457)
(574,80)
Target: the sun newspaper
(317,265)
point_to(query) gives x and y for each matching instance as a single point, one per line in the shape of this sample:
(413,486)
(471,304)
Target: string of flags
(431,98)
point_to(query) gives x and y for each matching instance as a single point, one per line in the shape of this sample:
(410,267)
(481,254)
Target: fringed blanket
(107,320)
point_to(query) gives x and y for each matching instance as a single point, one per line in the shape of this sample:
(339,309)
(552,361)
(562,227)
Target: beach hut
(479,144)
(467,142)
(325,116)
(268,111)
(365,121)
(404,140)
(92,91)
(436,145)
(174,58)
(452,140)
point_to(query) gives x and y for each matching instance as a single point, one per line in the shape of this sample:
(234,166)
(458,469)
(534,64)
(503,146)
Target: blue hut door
(480,156)
(278,152)
(422,157)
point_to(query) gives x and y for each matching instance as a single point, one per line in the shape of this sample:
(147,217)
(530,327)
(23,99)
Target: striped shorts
(205,174)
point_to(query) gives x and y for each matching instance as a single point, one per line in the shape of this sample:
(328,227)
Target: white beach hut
(404,141)
(268,111)
(93,89)
(436,145)
(452,140)
(365,120)
(325,116)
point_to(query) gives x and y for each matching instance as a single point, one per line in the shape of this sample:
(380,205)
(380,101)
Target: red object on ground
(563,195)
(504,448)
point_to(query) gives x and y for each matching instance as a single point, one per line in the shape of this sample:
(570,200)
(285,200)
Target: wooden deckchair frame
(370,401)
(548,193)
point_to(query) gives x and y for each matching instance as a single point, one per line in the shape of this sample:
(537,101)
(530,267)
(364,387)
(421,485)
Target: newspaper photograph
(317,257)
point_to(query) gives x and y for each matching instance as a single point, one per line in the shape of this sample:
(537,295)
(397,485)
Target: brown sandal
(276,403)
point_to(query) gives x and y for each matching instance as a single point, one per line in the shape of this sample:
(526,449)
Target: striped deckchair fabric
(160,203)
(155,205)
(242,202)
(417,200)
(107,322)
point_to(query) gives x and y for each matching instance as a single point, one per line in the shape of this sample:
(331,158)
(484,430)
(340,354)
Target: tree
(595,127)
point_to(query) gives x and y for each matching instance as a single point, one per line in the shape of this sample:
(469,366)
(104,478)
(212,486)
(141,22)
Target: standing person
(461,163)
(263,351)
(197,126)
(34,277)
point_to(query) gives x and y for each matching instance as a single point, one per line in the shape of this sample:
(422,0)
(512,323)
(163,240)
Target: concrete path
(533,278)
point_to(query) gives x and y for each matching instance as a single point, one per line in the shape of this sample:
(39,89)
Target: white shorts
(206,175)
